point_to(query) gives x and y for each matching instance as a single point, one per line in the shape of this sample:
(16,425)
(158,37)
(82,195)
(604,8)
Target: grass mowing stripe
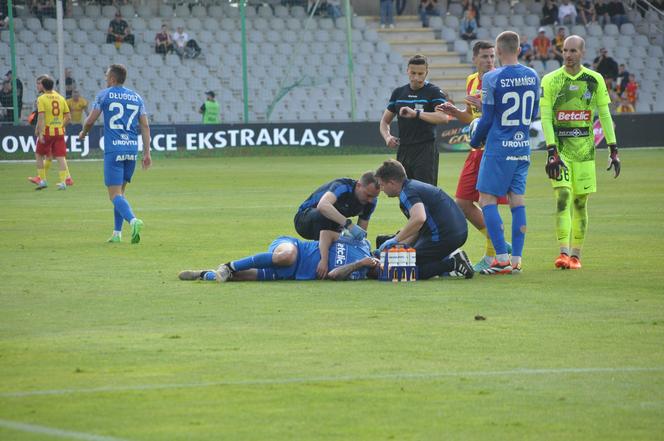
(58,433)
(343,378)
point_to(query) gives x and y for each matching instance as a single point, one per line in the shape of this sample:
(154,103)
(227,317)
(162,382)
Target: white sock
(131,222)
(502,257)
(516,260)
(117,233)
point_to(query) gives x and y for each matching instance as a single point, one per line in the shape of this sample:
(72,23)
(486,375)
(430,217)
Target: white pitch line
(331,379)
(44,430)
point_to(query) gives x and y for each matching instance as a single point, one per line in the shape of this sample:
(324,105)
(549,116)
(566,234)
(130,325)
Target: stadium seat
(281,11)
(108,11)
(127,11)
(461,46)
(488,9)
(611,29)
(449,35)
(485,21)
(627,29)
(579,30)
(641,40)
(516,21)
(92,10)
(165,11)
(532,20)
(609,41)
(500,21)
(298,12)
(452,22)
(621,53)
(656,51)
(199,11)
(31,23)
(483,34)
(454,10)
(435,23)
(503,8)
(520,9)
(595,30)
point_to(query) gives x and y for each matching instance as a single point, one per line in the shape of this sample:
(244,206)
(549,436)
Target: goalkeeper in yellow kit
(568,101)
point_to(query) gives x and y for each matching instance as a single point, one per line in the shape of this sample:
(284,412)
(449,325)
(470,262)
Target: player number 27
(113,122)
(526,109)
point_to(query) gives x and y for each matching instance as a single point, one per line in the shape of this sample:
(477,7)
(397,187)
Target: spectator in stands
(4,21)
(542,46)
(334,9)
(625,106)
(43,8)
(549,13)
(119,31)
(557,44)
(427,9)
(567,13)
(468,26)
(526,53)
(602,12)
(474,8)
(70,83)
(210,109)
(162,41)
(184,46)
(6,102)
(386,13)
(19,90)
(632,90)
(587,13)
(607,67)
(623,79)
(617,13)
(78,109)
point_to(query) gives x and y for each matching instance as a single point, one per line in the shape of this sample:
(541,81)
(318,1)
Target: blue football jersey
(342,252)
(122,108)
(510,100)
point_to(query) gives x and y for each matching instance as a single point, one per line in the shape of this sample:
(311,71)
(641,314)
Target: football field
(102,342)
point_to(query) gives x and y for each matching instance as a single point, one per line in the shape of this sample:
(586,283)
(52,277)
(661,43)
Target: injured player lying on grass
(334,257)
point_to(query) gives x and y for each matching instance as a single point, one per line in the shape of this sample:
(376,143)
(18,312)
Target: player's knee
(580,202)
(285,256)
(563,196)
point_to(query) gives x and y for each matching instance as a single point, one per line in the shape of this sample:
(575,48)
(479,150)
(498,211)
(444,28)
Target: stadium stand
(309,63)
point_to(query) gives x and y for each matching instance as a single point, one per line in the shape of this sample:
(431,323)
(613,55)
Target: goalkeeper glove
(614,160)
(356,232)
(389,243)
(553,162)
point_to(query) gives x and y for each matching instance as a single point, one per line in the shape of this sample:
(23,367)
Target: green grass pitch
(102,342)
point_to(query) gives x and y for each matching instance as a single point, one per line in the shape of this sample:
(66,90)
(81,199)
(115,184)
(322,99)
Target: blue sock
(494,225)
(118,220)
(518,230)
(261,260)
(122,206)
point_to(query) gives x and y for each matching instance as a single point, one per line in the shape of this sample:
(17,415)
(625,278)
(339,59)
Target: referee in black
(414,104)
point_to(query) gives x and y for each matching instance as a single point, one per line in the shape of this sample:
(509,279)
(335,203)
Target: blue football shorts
(498,176)
(280,272)
(119,168)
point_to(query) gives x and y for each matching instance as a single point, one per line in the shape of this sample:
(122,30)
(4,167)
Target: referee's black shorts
(309,223)
(420,161)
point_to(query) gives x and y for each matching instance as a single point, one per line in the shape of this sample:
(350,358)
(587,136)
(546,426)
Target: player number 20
(113,122)
(526,108)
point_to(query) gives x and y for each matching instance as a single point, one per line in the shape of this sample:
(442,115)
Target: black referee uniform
(417,150)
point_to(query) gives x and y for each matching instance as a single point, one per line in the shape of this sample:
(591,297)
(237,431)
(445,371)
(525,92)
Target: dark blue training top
(444,218)
(415,131)
(347,203)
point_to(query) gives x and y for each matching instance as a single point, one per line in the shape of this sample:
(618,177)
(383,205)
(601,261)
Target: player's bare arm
(417,218)
(385,121)
(363,223)
(145,134)
(325,240)
(326,208)
(430,117)
(342,272)
(89,122)
(39,128)
(465,116)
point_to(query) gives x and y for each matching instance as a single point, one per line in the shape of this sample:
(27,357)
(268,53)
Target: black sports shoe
(462,265)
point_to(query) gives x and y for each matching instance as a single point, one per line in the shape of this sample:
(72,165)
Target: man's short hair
(391,170)
(119,72)
(418,60)
(46,82)
(368,178)
(508,41)
(482,44)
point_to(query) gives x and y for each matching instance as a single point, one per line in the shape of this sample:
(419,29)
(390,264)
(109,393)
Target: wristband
(348,223)
(417,114)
